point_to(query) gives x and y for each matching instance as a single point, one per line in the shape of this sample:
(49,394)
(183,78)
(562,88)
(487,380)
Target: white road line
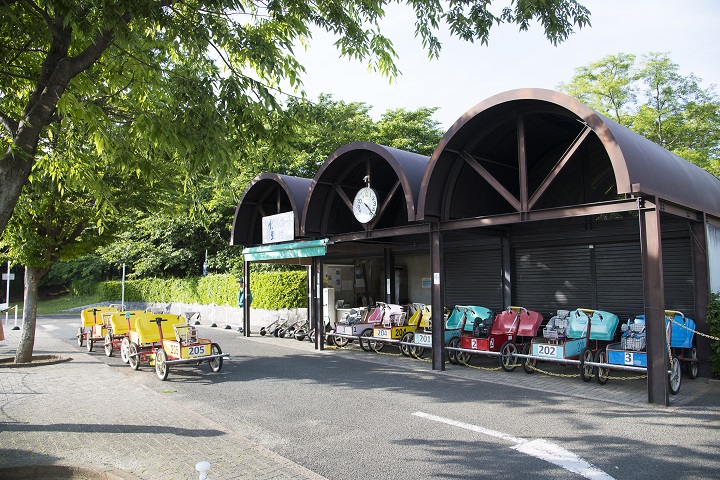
(538,448)
(49,327)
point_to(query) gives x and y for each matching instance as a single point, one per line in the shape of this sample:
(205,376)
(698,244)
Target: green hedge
(271,290)
(713,319)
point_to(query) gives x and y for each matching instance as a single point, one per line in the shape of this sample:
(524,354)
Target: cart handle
(519,309)
(589,312)
(672,313)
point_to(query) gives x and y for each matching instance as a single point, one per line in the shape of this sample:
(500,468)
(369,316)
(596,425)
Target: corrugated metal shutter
(546,279)
(678,276)
(474,278)
(618,273)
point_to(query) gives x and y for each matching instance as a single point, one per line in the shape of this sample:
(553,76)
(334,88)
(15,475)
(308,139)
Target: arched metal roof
(395,174)
(520,142)
(267,194)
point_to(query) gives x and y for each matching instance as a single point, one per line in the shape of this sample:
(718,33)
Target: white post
(7,295)
(122,300)
(202,468)
(227,325)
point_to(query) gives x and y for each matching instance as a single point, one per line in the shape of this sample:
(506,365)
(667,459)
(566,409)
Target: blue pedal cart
(630,354)
(571,337)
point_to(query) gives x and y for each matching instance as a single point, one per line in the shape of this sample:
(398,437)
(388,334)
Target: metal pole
(436,295)
(122,299)
(654,294)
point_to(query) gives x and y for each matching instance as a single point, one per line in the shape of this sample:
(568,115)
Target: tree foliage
(651,97)
(142,76)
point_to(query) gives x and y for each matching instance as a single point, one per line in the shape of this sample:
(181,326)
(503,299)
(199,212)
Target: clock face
(365,205)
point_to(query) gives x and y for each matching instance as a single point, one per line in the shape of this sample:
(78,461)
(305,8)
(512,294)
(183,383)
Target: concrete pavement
(92,414)
(85,413)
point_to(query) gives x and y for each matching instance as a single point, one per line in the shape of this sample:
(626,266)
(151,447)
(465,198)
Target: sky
(468,73)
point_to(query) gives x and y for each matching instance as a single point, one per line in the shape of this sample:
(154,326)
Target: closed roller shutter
(474,278)
(678,275)
(546,279)
(618,271)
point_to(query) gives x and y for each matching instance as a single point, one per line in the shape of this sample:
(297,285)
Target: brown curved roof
(634,164)
(390,170)
(267,194)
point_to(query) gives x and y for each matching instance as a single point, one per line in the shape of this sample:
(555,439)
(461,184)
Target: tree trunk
(27,339)
(14,172)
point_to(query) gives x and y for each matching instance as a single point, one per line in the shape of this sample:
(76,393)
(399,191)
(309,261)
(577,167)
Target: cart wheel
(341,341)
(311,337)
(108,345)
(692,366)
(376,346)
(263,331)
(602,374)
(452,354)
(81,336)
(463,358)
(216,363)
(364,343)
(528,364)
(417,352)
(90,344)
(133,358)
(124,347)
(675,376)
(300,335)
(508,362)
(161,367)
(279,332)
(407,337)
(586,371)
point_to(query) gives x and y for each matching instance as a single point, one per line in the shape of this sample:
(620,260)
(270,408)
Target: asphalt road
(349,414)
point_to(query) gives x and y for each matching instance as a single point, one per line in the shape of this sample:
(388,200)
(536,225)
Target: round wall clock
(365,205)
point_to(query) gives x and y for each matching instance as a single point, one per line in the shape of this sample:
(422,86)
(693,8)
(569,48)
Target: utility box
(328,307)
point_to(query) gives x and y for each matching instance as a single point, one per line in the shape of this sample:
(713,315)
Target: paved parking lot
(93,412)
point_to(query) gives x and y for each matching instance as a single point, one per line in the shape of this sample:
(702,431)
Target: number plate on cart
(191,351)
(381,333)
(423,339)
(344,329)
(550,351)
(622,357)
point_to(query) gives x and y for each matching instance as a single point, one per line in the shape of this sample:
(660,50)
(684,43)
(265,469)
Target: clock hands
(368,208)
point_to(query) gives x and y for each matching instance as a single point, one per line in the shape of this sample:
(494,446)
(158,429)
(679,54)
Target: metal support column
(436,296)
(318,320)
(389,277)
(246,304)
(701,282)
(654,293)
(506,272)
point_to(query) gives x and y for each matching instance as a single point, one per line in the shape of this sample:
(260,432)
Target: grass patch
(65,302)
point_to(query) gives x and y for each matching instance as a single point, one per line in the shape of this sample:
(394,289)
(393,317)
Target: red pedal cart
(502,337)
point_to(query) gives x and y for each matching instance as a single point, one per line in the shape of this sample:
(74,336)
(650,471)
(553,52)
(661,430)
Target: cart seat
(426,318)
(147,328)
(93,315)
(530,322)
(376,315)
(455,320)
(473,313)
(395,315)
(505,322)
(119,323)
(679,336)
(602,325)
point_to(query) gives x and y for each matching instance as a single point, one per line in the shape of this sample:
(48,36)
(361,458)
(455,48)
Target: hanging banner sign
(278,228)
